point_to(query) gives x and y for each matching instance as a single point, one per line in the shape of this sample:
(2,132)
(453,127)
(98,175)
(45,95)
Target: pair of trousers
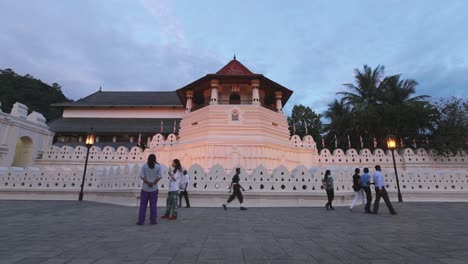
(382,193)
(358,195)
(152,197)
(330,196)
(185,195)
(171,203)
(237,193)
(368,192)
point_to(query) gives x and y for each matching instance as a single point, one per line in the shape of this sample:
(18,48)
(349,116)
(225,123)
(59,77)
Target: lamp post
(89,143)
(391,144)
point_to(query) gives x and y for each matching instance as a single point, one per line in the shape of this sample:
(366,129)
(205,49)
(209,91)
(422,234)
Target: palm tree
(399,92)
(341,122)
(405,115)
(367,90)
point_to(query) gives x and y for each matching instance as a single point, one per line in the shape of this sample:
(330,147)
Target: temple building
(231,117)
(121,118)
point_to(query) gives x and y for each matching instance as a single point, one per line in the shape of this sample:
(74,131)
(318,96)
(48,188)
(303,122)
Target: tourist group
(361,185)
(151,174)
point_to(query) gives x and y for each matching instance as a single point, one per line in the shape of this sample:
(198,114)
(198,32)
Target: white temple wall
(273,174)
(113,174)
(120,184)
(23,137)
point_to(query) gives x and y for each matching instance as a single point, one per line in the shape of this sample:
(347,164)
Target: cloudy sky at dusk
(311,47)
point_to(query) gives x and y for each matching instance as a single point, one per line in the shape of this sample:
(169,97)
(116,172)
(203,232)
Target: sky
(311,47)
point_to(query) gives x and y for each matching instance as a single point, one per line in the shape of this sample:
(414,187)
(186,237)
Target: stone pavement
(80,233)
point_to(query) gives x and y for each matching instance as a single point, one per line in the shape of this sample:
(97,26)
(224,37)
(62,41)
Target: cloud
(170,27)
(94,46)
(309,47)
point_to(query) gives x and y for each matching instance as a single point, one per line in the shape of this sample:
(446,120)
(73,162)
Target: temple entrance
(23,152)
(234,99)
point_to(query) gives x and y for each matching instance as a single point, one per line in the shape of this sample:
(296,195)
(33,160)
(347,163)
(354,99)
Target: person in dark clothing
(327,184)
(237,191)
(357,187)
(365,183)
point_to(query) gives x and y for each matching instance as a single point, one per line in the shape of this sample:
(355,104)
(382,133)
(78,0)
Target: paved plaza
(74,232)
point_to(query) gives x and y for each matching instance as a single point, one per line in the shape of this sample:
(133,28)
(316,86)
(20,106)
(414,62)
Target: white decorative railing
(280,180)
(365,157)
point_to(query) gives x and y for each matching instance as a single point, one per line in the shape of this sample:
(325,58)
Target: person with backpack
(183,189)
(357,187)
(150,174)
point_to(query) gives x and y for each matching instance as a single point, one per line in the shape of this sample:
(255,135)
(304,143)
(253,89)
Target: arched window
(235,116)
(234,99)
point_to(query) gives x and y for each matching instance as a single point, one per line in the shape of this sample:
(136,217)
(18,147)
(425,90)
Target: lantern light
(391,143)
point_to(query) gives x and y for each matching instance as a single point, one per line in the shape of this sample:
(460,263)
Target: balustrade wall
(423,175)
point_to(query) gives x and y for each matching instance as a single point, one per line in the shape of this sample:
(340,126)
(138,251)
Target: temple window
(235,116)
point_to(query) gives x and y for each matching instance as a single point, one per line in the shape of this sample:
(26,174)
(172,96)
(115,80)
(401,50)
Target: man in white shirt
(380,191)
(183,189)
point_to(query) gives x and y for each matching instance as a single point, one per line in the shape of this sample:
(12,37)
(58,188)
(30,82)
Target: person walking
(175,173)
(237,191)
(183,189)
(150,174)
(357,187)
(380,191)
(327,184)
(365,183)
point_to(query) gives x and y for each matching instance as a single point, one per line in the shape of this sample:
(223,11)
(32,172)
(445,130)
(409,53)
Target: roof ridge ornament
(234,57)
(100,89)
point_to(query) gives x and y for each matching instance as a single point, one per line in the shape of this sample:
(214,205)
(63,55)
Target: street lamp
(391,144)
(90,138)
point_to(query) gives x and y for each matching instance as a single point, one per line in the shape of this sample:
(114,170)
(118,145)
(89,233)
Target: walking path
(73,232)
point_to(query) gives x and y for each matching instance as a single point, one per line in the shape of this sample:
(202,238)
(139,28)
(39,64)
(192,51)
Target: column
(188,107)
(279,104)
(255,94)
(214,92)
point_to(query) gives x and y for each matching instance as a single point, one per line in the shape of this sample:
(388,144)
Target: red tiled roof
(234,67)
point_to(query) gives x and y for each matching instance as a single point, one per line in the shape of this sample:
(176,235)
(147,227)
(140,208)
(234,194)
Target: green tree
(303,117)
(450,130)
(32,92)
(341,124)
(380,106)
(404,115)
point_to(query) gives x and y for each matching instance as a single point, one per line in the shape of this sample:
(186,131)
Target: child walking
(150,174)
(237,191)
(175,173)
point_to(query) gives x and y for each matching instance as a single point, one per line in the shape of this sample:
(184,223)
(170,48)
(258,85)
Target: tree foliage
(450,130)
(303,118)
(32,92)
(375,106)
